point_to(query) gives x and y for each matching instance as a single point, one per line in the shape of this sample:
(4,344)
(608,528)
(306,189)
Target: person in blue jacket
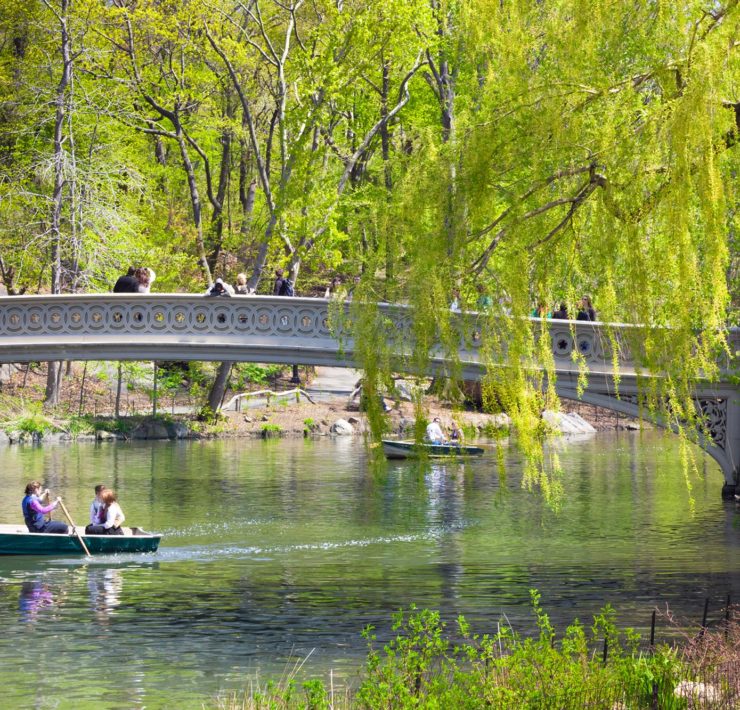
(34,511)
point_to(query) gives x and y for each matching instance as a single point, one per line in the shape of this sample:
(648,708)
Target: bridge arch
(297,330)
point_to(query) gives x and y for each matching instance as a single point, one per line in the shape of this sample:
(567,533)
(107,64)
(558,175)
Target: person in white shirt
(113,519)
(434,433)
(114,516)
(455,305)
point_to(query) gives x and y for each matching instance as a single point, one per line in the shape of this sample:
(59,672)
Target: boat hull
(410,449)
(18,541)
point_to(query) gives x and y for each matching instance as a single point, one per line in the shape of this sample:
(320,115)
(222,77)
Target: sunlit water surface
(278,552)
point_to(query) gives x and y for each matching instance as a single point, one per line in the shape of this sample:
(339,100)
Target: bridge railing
(276,329)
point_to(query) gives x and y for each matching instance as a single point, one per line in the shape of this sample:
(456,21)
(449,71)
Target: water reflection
(104,586)
(35,596)
(273,549)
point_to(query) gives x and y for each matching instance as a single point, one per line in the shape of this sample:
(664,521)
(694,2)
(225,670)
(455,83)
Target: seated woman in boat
(114,516)
(434,433)
(34,511)
(456,435)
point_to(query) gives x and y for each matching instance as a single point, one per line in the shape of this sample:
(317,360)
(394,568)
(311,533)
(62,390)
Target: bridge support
(719,406)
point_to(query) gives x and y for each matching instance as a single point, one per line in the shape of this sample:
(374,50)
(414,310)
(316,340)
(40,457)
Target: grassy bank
(430,665)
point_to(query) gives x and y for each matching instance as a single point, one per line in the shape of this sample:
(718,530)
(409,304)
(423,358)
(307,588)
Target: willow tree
(595,152)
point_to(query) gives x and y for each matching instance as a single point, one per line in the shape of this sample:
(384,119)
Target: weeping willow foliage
(592,152)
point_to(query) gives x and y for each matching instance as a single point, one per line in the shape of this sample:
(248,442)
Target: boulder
(566,423)
(6,373)
(4,439)
(403,392)
(271,433)
(581,422)
(178,430)
(101,435)
(700,694)
(151,430)
(342,427)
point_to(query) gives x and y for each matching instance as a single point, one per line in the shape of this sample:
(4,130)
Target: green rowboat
(16,540)
(410,449)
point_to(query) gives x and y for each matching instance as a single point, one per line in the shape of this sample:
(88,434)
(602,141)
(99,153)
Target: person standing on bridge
(283,285)
(334,289)
(586,310)
(128,283)
(241,288)
(145,278)
(484,302)
(220,288)
(455,306)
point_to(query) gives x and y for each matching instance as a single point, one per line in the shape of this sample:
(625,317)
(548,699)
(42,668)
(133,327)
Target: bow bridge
(297,330)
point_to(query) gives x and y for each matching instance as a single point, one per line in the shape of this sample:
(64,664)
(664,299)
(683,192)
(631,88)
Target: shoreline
(336,417)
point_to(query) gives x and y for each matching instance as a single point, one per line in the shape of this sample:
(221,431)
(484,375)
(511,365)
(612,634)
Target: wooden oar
(74,527)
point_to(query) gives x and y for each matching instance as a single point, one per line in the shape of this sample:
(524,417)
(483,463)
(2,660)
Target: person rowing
(34,511)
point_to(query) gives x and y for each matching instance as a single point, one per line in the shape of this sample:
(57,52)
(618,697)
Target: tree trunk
(118,390)
(247,184)
(216,395)
(195,203)
(51,397)
(385,142)
(217,217)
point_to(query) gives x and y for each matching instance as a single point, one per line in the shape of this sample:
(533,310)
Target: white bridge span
(297,331)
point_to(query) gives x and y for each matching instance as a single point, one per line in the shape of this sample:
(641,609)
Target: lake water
(275,551)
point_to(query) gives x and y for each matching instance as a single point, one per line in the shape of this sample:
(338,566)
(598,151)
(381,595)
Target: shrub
(424,666)
(249,373)
(270,430)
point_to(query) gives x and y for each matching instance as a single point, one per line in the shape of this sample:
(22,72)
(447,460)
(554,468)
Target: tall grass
(19,414)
